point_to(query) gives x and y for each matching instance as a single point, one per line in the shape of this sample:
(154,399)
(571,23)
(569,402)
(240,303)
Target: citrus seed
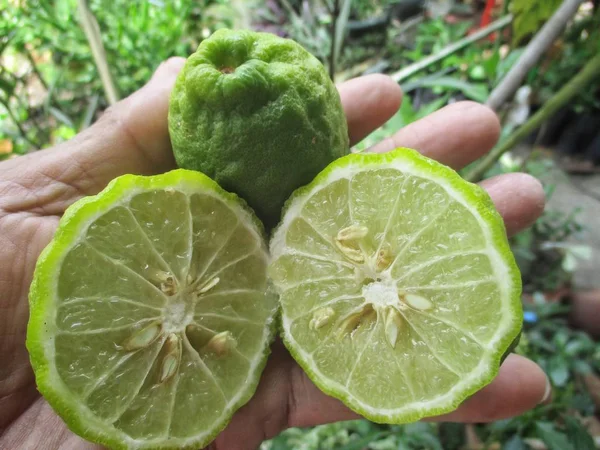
(171,361)
(143,338)
(221,343)
(352,233)
(353,254)
(208,285)
(393,322)
(384,259)
(321,318)
(417,302)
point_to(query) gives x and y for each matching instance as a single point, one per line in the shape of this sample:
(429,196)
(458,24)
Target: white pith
(381,293)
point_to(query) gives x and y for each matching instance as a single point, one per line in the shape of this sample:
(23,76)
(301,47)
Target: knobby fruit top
(259,115)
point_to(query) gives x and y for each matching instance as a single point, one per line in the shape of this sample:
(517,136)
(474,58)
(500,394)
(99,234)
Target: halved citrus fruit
(151,313)
(399,293)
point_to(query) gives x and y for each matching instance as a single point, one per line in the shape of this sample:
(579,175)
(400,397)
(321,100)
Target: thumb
(131,137)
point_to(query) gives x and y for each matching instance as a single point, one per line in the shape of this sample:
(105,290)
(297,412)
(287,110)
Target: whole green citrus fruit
(259,115)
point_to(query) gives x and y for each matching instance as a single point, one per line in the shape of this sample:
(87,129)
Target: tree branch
(340,28)
(22,131)
(589,72)
(334,17)
(92,33)
(34,67)
(534,50)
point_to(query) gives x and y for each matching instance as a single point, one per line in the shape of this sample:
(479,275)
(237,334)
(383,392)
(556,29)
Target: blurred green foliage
(50,90)
(530,16)
(358,435)
(48,77)
(576,47)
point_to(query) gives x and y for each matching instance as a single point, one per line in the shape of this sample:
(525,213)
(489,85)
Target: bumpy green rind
(512,347)
(478,198)
(78,418)
(259,115)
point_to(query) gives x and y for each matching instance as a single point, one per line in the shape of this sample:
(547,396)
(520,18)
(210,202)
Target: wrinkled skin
(132,137)
(221,123)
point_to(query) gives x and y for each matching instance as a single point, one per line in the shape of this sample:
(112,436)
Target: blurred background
(536,63)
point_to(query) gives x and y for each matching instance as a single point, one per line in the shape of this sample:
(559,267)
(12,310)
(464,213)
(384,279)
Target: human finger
(455,135)
(368,102)
(520,386)
(518,197)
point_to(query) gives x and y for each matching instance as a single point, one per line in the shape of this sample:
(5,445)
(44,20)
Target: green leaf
(63,10)
(530,16)
(583,403)
(63,133)
(561,338)
(475,91)
(554,440)
(7,87)
(88,117)
(428,441)
(578,435)
(431,107)
(362,426)
(504,65)
(417,428)
(405,115)
(277,443)
(61,116)
(452,434)
(501,426)
(477,73)
(491,64)
(361,443)
(575,346)
(515,443)
(582,367)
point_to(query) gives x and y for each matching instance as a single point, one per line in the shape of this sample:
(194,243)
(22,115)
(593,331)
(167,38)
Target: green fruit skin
(259,115)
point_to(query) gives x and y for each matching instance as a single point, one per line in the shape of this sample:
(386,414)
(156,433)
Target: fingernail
(547,393)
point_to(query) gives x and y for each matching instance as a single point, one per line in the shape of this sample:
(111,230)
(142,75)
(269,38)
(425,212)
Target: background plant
(50,84)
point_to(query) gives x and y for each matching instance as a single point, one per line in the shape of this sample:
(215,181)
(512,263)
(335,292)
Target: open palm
(132,137)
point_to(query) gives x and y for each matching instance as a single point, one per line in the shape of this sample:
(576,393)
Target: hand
(132,137)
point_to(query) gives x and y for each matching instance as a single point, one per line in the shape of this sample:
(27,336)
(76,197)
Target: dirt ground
(582,191)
